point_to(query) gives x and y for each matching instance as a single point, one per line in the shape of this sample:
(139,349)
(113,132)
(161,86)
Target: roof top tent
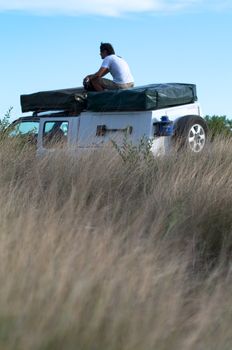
(71,100)
(75,100)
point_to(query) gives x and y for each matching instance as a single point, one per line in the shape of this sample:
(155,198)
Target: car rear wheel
(191,133)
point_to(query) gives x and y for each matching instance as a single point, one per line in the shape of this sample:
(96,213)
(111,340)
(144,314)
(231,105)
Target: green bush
(134,153)
(5,120)
(219,125)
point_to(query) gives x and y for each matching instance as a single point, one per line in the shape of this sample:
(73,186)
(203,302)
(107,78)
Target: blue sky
(48,44)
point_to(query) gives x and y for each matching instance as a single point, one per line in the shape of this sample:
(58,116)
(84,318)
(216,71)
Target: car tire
(190,132)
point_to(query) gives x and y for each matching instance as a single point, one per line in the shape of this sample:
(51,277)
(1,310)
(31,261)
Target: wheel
(191,132)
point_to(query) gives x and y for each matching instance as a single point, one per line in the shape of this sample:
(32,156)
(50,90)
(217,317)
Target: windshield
(24,128)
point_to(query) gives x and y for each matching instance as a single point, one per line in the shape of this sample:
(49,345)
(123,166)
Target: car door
(57,133)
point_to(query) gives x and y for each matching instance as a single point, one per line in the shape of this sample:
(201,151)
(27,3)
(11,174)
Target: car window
(24,127)
(55,134)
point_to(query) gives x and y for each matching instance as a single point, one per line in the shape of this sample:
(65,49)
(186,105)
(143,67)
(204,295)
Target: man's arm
(100,73)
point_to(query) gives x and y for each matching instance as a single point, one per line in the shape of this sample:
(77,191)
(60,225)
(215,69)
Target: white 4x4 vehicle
(89,129)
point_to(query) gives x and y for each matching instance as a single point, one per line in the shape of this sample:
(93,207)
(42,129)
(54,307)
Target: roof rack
(37,114)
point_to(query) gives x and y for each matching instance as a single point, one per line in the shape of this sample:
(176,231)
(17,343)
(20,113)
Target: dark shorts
(111,85)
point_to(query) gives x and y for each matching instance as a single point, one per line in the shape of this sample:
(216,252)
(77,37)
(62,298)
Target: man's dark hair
(107,47)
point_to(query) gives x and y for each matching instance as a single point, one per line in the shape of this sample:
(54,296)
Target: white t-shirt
(118,68)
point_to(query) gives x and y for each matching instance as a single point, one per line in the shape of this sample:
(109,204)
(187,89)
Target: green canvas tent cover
(148,97)
(73,99)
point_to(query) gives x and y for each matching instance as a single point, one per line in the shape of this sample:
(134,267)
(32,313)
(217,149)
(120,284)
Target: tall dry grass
(97,254)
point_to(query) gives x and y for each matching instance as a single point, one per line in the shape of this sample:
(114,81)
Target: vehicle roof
(37,116)
(26,119)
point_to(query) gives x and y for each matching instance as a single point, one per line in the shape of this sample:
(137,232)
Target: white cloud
(110,7)
(102,7)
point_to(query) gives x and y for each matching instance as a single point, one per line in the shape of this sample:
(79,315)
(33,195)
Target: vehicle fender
(181,125)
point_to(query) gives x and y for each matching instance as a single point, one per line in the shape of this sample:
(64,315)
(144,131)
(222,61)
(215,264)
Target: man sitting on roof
(113,64)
